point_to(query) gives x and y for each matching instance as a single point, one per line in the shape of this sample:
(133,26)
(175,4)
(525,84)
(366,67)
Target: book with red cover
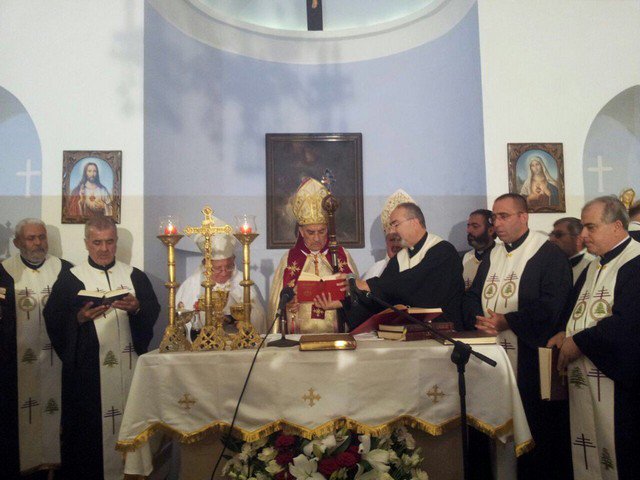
(389,317)
(309,286)
(553,384)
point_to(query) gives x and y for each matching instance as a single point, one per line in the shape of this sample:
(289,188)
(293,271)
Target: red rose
(327,466)
(284,458)
(282,475)
(284,441)
(348,459)
(354,449)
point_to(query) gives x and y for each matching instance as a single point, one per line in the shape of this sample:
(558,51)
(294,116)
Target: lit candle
(170,229)
(245,228)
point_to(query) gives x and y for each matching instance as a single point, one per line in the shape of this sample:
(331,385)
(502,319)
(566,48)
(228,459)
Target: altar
(192,396)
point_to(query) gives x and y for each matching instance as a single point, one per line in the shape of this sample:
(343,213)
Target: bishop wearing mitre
(310,254)
(225,277)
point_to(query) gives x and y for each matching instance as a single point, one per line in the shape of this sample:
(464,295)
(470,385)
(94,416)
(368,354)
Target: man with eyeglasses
(226,277)
(518,294)
(566,235)
(600,347)
(427,272)
(481,236)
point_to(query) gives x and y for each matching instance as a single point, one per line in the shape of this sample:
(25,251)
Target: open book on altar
(102,297)
(309,286)
(389,317)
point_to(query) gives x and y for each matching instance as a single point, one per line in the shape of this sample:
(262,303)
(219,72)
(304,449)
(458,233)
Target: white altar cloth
(371,389)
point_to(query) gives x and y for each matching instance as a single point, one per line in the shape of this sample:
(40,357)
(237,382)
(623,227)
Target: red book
(389,317)
(309,286)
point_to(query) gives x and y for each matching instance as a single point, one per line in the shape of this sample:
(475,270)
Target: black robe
(9,439)
(78,347)
(613,345)
(544,288)
(435,282)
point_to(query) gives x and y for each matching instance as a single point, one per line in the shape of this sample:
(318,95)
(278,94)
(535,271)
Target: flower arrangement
(341,455)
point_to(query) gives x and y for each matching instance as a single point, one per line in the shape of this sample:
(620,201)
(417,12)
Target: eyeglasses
(395,223)
(223,269)
(502,216)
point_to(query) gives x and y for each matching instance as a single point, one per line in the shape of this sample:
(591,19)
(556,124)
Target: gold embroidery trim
(324,429)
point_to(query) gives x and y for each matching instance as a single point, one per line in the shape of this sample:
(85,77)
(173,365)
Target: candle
(245,228)
(170,229)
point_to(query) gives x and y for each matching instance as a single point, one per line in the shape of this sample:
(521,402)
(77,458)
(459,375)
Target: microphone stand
(460,357)
(282,341)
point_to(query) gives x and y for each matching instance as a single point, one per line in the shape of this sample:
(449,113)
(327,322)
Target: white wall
(548,67)
(77,69)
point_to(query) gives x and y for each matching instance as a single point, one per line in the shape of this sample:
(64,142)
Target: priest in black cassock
(98,345)
(29,369)
(600,348)
(426,273)
(519,293)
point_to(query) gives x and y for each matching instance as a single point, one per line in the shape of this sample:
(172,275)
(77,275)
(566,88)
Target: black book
(102,298)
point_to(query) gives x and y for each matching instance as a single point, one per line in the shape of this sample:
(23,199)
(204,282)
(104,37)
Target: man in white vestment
(392,240)
(225,276)
(29,368)
(519,293)
(600,348)
(310,254)
(481,236)
(98,344)
(566,235)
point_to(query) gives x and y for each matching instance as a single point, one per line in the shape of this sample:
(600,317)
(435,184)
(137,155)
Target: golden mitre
(395,199)
(307,203)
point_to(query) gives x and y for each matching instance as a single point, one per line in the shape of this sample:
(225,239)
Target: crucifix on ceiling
(314,15)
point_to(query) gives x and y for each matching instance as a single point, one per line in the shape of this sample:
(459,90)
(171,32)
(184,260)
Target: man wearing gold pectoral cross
(98,344)
(29,368)
(310,254)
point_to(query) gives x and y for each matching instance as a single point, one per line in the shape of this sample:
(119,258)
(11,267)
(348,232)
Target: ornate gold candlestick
(246,233)
(174,339)
(211,337)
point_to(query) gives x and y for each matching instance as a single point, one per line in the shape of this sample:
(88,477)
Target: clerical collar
(104,268)
(576,259)
(32,266)
(480,254)
(615,251)
(512,246)
(416,248)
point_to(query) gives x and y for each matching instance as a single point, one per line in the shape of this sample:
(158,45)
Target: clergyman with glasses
(566,235)
(226,277)
(518,294)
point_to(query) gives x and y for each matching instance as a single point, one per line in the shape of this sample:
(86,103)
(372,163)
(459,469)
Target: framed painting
(536,171)
(91,185)
(292,157)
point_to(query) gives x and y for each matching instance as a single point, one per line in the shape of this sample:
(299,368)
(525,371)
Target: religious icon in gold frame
(536,171)
(91,185)
(291,157)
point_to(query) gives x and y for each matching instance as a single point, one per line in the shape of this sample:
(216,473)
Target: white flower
(377,458)
(411,461)
(371,475)
(418,474)
(267,454)
(304,468)
(273,467)
(321,445)
(405,437)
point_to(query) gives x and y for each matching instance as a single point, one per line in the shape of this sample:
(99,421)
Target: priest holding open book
(308,258)
(98,343)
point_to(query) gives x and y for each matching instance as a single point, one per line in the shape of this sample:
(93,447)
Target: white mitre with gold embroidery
(395,199)
(307,203)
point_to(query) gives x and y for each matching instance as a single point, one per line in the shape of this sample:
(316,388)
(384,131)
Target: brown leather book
(553,384)
(471,337)
(389,317)
(327,341)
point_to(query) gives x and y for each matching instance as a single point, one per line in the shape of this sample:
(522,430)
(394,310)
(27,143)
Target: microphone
(354,291)
(286,295)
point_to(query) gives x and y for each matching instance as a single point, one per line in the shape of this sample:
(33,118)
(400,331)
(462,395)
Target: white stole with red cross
(591,393)
(117,358)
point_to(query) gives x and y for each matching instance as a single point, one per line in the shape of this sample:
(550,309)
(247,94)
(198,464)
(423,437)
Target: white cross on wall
(600,169)
(28,173)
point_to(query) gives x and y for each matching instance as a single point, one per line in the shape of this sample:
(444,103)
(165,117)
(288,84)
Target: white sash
(38,365)
(470,266)
(405,262)
(117,359)
(591,393)
(502,285)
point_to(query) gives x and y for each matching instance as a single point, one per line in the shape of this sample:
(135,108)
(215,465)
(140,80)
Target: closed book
(408,336)
(390,317)
(102,298)
(309,286)
(470,337)
(553,384)
(327,341)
